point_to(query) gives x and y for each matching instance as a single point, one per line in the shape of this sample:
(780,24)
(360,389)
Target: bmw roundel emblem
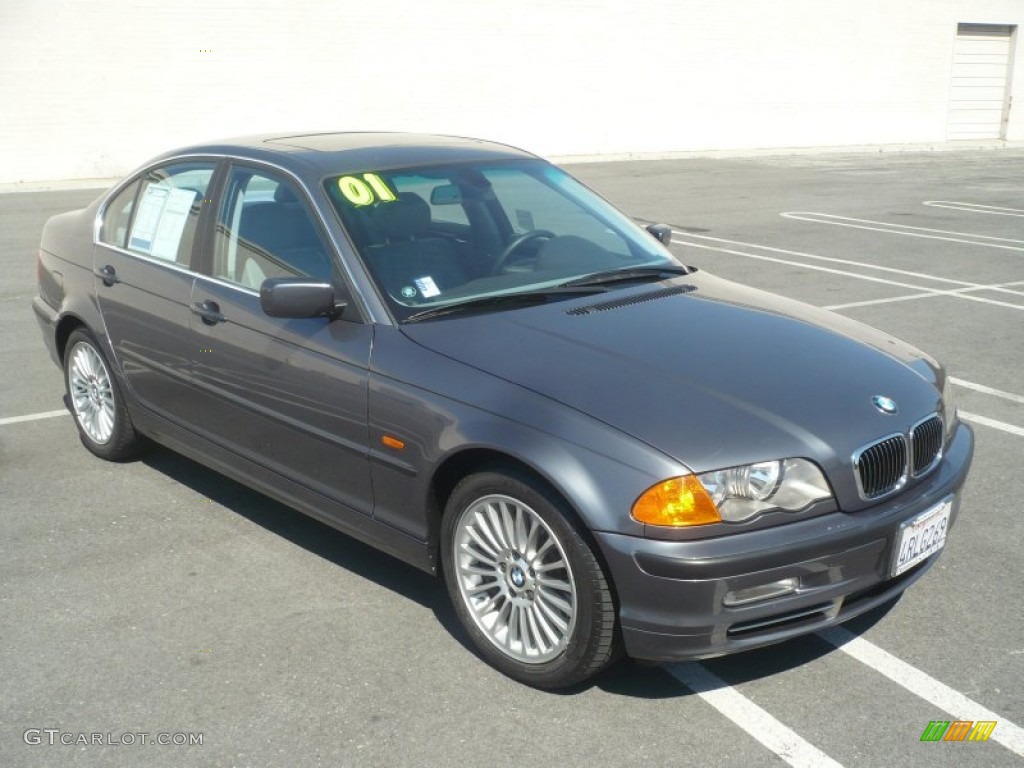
(885,404)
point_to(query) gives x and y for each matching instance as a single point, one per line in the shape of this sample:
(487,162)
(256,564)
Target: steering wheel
(511,248)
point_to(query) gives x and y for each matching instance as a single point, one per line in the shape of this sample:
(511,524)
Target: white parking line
(905,229)
(816,257)
(988,390)
(32,417)
(773,734)
(1013,429)
(887,226)
(849,262)
(926,295)
(856,275)
(927,687)
(955,205)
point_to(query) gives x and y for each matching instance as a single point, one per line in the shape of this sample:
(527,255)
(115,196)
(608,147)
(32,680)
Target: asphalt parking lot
(158,597)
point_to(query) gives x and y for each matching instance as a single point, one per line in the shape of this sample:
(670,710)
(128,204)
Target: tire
(95,401)
(525,584)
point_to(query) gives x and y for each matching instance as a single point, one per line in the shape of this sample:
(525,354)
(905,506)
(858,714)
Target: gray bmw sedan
(454,351)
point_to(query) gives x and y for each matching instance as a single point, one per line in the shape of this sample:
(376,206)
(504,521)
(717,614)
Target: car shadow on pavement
(318,538)
(626,678)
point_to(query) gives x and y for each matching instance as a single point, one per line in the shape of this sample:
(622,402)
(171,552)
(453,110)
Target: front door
(288,394)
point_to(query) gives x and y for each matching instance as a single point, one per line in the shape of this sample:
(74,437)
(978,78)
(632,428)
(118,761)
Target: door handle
(108,275)
(209,311)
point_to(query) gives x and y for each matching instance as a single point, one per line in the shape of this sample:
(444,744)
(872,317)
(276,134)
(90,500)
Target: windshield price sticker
(427,287)
(365,190)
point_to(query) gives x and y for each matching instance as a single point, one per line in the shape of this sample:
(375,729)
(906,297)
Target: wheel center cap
(517,577)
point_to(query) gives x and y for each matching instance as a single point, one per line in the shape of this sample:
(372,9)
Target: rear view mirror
(299,297)
(661,232)
(446,194)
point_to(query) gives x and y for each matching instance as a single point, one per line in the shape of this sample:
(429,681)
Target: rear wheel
(525,583)
(96,402)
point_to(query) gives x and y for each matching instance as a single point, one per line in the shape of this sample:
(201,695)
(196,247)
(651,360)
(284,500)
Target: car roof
(344,152)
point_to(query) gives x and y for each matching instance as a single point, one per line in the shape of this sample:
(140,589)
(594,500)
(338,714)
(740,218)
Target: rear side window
(157,215)
(117,216)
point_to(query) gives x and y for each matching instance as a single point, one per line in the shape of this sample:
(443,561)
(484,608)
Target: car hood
(712,373)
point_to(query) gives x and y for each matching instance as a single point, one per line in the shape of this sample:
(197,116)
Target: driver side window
(264,230)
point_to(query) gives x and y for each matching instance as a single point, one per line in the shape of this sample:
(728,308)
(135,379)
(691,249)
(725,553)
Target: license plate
(922,536)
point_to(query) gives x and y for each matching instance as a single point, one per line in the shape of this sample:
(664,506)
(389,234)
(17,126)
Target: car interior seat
(408,252)
(279,240)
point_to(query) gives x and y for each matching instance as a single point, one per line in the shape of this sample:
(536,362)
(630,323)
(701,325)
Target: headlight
(732,495)
(741,493)
(948,406)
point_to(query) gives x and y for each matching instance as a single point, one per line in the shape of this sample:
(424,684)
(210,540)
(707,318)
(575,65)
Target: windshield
(441,235)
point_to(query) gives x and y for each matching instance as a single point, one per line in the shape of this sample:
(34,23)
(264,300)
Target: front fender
(452,409)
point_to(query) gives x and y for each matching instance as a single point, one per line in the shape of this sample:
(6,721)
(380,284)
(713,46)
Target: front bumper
(671,592)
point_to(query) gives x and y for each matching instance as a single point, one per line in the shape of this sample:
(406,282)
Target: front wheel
(524,582)
(96,402)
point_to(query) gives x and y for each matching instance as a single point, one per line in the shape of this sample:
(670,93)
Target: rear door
(289,394)
(144,278)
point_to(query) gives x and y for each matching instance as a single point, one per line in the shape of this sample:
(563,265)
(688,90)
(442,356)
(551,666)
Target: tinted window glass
(530,206)
(265,230)
(166,211)
(437,235)
(440,209)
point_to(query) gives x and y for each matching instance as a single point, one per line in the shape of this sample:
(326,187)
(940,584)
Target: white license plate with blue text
(921,536)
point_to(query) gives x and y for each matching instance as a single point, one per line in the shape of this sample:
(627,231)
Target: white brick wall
(91,89)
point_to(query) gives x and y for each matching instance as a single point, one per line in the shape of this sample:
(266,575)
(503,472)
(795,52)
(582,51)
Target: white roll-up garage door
(978,99)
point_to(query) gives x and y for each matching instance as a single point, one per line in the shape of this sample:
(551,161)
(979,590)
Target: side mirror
(299,297)
(661,232)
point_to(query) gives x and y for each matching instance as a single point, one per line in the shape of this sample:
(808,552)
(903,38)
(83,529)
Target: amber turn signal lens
(677,502)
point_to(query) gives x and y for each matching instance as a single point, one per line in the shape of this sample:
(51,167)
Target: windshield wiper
(627,274)
(504,301)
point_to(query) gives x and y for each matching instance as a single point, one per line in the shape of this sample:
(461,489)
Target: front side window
(160,220)
(432,236)
(265,230)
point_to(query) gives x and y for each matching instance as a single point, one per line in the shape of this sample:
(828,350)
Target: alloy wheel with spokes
(515,579)
(91,394)
(96,402)
(525,582)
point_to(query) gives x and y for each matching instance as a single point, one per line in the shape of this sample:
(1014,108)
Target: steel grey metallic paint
(601,405)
